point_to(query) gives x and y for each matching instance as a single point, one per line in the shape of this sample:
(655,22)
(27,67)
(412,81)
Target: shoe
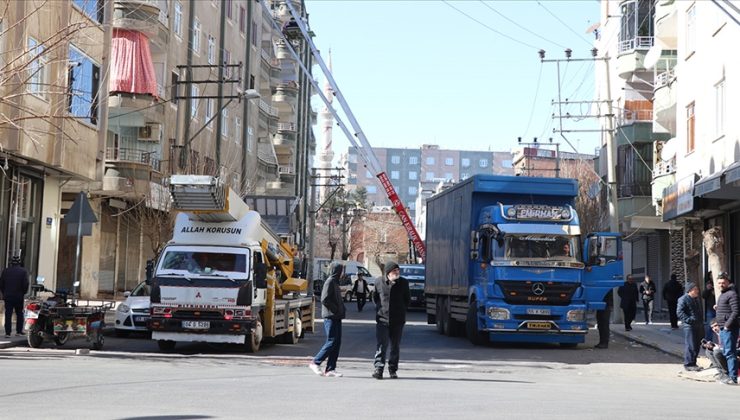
(333,374)
(728,381)
(628,329)
(7,335)
(692,368)
(601,346)
(393,375)
(315,369)
(19,334)
(378,374)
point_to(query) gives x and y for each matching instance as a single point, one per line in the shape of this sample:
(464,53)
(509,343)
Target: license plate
(538,325)
(31,315)
(537,311)
(196,325)
(414,298)
(141,318)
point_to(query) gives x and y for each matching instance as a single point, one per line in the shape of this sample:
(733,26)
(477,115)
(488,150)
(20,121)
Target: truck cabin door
(602,253)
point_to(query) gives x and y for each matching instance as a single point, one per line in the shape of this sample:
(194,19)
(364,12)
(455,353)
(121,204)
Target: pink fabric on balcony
(131,69)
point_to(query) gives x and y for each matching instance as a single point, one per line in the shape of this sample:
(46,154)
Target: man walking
(647,291)
(671,292)
(602,321)
(629,296)
(14,285)
(689,312)
(392,298)
(333,311)
(727,317)
(359,289)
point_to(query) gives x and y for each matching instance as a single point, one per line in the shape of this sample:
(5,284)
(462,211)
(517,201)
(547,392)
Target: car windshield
(142,289)
(412,272)
(538,246)
(204,262)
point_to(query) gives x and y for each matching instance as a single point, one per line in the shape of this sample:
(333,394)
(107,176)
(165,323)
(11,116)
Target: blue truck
(504,261)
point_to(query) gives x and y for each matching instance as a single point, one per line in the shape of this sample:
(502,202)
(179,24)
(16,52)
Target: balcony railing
(268,109)
(285,126)
(636,43)
(635,189)
(663,79)
(266,56)
(286,169)
(133,155)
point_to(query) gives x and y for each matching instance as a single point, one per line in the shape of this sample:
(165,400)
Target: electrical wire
(520,26)
(534,101)
(490,28)
(564,24)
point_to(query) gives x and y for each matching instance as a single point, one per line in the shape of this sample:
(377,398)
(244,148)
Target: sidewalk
(657,335)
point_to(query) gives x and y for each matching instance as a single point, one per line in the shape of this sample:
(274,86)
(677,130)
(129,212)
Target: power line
(534,101)
(520,26)
(489,28)
(564,24)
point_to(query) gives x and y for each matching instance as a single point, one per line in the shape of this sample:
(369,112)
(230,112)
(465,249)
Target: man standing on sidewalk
(690,313)
(602,321)
(629,296)
(647,290)
(14,285)
(671,292)
(727,314)
(392,298)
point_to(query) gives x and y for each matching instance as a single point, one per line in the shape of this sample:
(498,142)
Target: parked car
(416,275)
(133,313)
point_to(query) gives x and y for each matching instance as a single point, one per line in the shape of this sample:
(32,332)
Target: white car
(133,313)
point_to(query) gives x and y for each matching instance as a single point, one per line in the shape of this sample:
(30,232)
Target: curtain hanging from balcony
(131,69)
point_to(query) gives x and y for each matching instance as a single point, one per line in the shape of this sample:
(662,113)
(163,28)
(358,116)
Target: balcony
(282,52)
(635,111)
(631,55)
(286,92)
(666,18)
(284,139)
(286,171)
(282,13)
(268,109)
(133,156)
(664,102)
(144,16)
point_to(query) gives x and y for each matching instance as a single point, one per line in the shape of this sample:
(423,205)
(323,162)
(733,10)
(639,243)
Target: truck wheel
(60,339)
(471,326)
(441,316)
(33,335)
(253,339)
(166,345)
(292,337)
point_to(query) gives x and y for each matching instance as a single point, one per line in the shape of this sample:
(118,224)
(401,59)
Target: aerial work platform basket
(206,198)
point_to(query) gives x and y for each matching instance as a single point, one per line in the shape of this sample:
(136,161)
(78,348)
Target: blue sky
(420,72)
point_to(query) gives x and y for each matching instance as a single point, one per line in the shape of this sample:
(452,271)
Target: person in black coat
(14,285)
(392,298)
(671,292)
(689,312)
(360,290)
(333,311)
(602,321)
(727,317)
(647,291)
(629,295)
(709,302)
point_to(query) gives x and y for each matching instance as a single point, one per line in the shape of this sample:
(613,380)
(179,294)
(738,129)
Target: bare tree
(714,244)
(589,203)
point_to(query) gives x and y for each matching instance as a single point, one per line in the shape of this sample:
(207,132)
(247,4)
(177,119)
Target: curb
(646,342)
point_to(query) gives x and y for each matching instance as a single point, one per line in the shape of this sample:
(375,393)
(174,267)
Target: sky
(421,72)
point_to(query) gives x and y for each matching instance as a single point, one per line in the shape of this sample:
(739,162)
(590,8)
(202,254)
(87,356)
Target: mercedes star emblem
(538,289)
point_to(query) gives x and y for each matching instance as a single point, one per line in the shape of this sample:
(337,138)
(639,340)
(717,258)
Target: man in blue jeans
(333,311)
(689,312)
(727,317)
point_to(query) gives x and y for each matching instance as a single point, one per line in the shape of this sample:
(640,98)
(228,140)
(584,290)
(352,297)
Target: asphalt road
(440,377)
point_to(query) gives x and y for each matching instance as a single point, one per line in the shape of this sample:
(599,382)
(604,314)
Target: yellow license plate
(539,325)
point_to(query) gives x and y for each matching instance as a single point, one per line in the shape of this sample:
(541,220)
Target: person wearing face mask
(392,298)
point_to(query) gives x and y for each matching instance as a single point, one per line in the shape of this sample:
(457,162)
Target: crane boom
(365,151)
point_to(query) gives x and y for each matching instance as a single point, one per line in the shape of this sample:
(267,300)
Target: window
(719,111)
(225,122)
(449,161)
(464,176)
(430,160)
(227,61)
(395,175)
(174,84)
(396,159)
(36,69)
(636,30)
(194,101)
(448,175)
(507,163)
(429,176)
(483,163)
(237,130)
(690,122)
(371,189)
(411,205)
(242,20)
(690,30)
(229,9)
(465,162)
(413,160)
(209,112)
(251,81)
(211,50)
(84,79)
(412,175)
(250,139)
(177,20)
(254,34)
(368,175)
(92,8)
(196,36)
(412,190)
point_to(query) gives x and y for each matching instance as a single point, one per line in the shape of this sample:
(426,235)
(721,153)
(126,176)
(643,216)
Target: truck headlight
(498,313)
(576,315)
(511,212)
(565,214)
(123,308)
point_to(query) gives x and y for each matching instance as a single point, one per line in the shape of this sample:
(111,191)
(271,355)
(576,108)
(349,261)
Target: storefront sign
(678,199)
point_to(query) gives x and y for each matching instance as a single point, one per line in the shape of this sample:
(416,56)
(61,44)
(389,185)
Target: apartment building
(52,125)
(408,168)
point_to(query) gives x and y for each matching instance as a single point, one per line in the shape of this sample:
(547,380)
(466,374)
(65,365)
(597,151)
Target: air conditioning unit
(149,132)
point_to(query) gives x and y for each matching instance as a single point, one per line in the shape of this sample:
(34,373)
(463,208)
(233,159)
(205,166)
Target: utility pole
(611,182)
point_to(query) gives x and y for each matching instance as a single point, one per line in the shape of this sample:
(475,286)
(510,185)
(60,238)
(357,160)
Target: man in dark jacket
(392,298)
(629,296)
(333,311)
(689,312)
(602,321)
(359,289)
(727,317)
(671,292)
(647,291)
(14,285)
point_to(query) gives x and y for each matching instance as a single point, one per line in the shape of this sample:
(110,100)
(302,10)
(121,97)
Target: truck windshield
(548,247)
(202,262)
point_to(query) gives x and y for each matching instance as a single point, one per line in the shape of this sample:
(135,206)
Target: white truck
(225,277)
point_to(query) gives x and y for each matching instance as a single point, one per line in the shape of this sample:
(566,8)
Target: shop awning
(131,69)
(732,173)
(708,185)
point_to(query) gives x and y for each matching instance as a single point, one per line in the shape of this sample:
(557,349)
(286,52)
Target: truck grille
(537,292)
